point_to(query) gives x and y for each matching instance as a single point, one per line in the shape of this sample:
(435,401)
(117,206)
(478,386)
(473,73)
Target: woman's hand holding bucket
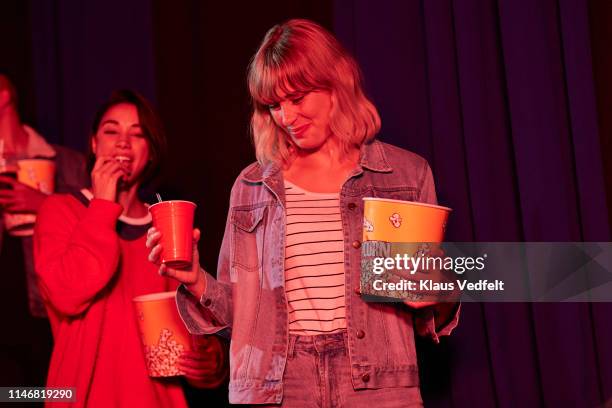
(205,366)
(427,297)
(192,276)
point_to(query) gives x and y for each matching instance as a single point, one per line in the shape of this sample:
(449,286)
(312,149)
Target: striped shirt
(314,262)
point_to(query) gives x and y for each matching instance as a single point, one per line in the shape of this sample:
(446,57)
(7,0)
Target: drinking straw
(159,199)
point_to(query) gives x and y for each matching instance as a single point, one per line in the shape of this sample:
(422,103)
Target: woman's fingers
(155,253)
(418,305)
(104,179)
(153,237)
(163,270)
(8,181)
(195,373)
(7,193)
(204,342)
(200,362)
(196,254)
(188,276)
(116,175)
(113,169)
(195,358)
(100,161)
(185,277)
(106,168)
(103,168)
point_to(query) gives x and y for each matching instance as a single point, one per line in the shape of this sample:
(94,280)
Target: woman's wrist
(198,288)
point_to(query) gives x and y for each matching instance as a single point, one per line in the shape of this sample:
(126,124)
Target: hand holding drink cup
(169,243)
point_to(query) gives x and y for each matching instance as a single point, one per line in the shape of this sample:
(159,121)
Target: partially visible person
(91,261)
(25,354)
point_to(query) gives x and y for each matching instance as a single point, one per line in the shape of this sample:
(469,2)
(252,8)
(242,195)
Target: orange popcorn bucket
(394,227)
(403,221)
(163,334)
(40,175)
(37,173)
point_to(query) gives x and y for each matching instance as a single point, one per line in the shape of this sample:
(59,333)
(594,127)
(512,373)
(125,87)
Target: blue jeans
(318,374)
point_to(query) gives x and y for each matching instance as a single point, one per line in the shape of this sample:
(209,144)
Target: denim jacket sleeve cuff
(425,325)
(217,301)
(207,315)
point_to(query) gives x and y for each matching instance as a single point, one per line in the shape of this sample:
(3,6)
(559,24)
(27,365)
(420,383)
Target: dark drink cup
(174,219)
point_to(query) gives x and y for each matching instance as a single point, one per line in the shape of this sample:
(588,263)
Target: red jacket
(88,275)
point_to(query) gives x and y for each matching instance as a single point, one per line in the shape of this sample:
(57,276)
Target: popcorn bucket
(163,334)
(37,173)
(40,175)
(394,227)
(403,221)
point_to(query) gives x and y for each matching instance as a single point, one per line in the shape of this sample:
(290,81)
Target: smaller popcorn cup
(38,174)
(163,334)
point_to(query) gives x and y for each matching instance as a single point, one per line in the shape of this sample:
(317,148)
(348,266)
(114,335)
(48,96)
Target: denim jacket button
(207,302)
(365,377)
(352,206)
(356,244)
(360,334)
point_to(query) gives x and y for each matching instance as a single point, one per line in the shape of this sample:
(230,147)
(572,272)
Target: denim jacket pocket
(247,237)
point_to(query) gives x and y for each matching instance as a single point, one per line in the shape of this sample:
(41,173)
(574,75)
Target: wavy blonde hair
(300,55)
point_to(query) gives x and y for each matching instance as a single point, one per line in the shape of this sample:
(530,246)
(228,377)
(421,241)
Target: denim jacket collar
(372,157)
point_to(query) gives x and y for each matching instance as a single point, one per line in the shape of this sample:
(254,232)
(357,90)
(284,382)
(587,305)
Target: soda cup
(174,219)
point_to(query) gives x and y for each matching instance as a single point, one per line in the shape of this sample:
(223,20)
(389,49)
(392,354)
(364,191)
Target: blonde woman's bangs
(301,56)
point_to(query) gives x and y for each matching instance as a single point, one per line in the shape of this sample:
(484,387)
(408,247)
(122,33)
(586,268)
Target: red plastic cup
(174,219)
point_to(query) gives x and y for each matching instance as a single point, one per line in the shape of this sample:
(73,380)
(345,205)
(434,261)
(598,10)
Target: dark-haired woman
(91,261)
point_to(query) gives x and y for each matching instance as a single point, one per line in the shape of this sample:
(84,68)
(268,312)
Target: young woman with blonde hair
(287,287)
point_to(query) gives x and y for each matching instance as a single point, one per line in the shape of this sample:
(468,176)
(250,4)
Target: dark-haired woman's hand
(192,277)
(205,365)
(104,177)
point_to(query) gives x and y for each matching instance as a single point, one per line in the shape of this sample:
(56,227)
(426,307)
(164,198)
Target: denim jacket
(247,300)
